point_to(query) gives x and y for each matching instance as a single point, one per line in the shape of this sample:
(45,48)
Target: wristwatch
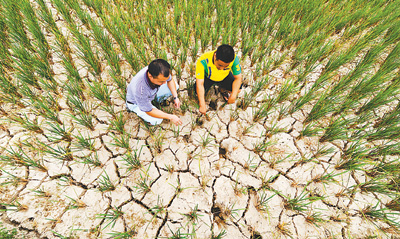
(176,97)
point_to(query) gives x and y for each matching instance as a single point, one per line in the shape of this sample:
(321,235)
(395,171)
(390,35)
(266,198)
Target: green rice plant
(310,130)
(262,112)
(117,27)
(337,129)
(75,203)
(287,89)
(249,165)
(33,26)
(157,141)
(193,216)
(18,156)
(117,124)
(92,159)
(262,146)
(41,193)
(85,52)
(64,10)
(385,149)
(12,179)
(205,141)
(394,204)
(249,97)
(389,133)
(220,235)
(58,152)
(105,183)
(143,185)
(132,159)
(389,118)
(75,89)
(301,101)
(106,44)
(61,43)
(179,235)
(274,129)
(84,143)
(156,210)
(357,150)
(323,107)
(377,185)
(121,235)
(46,109)
(24,61)
(384,97)
(352,164)
(368,85)
(301,202)
(111,216)
(101,92)
(39,61)
(25,122)
(84,119)
(59,132)
(367,62)
(121,140)
(262,201)
(82,15)
(323,151)
(315,218)
(5,62)
(8,91)
(283,111)
(326,178)
(14,22)
(383,214)
(73,76)
(7,233)
(78,105)
(14,206)
(121,83)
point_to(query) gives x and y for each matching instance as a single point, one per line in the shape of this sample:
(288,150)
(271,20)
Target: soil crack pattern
(307,148)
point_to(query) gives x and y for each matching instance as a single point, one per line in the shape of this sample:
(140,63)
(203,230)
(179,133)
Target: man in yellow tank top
(219,67)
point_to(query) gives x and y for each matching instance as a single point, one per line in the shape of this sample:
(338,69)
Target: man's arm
(235,88)
(172,87)
(156,113)
(200,95)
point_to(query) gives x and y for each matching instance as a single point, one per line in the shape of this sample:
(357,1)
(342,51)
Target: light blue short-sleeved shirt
(141,91)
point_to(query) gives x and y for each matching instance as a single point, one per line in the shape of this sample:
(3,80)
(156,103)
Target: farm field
(310,149)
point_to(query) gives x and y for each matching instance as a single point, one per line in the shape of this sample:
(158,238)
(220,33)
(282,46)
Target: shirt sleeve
(199,70)
(236,68)
(143,100)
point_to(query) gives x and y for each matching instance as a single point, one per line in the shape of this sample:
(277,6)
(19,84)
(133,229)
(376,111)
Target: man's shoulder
(141,73)
(206,55)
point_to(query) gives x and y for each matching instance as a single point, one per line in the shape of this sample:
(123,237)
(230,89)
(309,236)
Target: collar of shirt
(149,83)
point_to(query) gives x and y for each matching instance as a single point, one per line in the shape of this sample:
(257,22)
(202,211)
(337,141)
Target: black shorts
(226,83)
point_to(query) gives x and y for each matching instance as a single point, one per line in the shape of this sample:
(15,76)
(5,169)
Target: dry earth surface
(206,177)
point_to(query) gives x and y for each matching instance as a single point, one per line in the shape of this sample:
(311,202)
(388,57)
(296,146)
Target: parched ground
(224,175)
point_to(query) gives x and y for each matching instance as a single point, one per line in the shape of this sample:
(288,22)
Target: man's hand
(175,119)
(231,99)
(177,103)
(203,109)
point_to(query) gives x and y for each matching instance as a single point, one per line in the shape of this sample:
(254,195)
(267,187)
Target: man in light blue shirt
(153,81)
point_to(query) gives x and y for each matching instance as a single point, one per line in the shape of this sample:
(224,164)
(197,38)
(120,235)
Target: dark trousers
(226,83)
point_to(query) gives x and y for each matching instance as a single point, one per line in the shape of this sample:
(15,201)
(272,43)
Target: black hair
(159,66)
(225,53)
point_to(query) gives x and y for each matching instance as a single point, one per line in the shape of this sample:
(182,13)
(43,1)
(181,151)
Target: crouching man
(152,82)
